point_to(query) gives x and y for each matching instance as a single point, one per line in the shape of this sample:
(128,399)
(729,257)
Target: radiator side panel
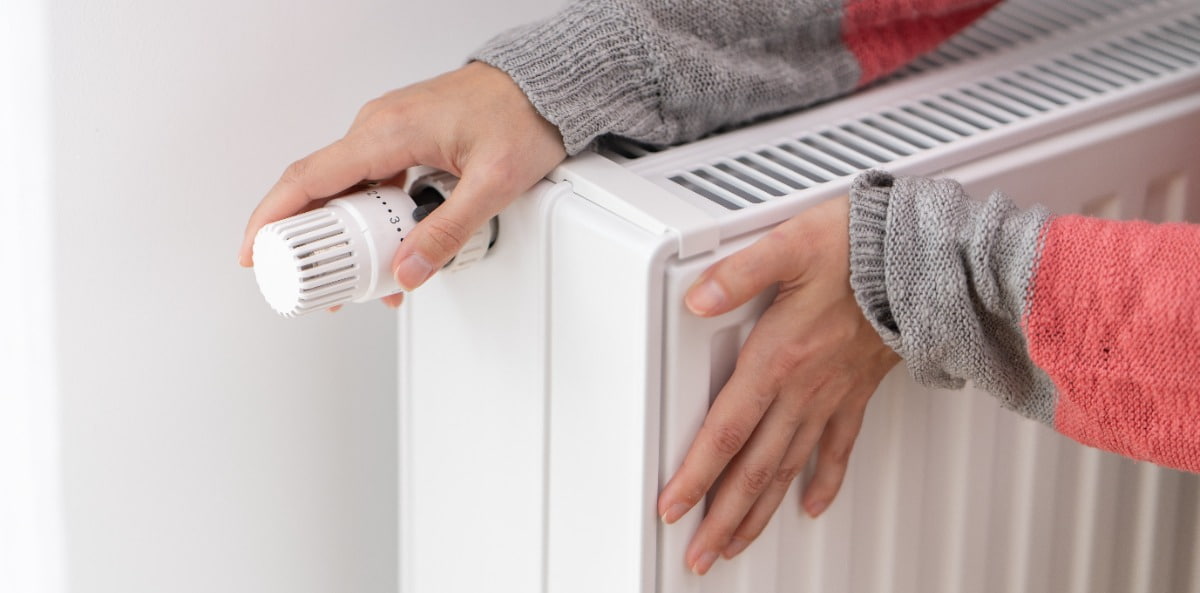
(605,347)
(472,416)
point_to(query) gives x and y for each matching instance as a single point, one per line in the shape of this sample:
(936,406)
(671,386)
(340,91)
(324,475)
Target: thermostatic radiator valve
(342,252)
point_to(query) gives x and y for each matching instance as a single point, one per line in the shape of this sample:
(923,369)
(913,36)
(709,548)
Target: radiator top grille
(1070,75)
(1020,21)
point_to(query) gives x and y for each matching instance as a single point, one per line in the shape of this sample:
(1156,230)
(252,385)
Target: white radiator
(549,391)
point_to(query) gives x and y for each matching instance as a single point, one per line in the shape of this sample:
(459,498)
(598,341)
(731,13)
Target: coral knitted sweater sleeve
(1091,326)
(669,71)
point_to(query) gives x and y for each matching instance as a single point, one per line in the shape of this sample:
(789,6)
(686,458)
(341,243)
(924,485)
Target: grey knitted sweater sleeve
(944,279)
(667,71)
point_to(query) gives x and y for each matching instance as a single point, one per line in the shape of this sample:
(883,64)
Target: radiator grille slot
(1057,82)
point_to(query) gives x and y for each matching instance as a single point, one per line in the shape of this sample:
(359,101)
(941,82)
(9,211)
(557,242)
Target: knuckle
(396,115)
(501,171)
(755,478)
(756,261)
(787,473)
(371,107)
(446,236)
(739,275)
(386,120)
(753,527)
(842,334)
(749,533)
(779,235)
(829,388)
(843,383)
(782,240)
(856,402)
(786,359)
(838,455)
(727,440)
(378,128)
(297,172)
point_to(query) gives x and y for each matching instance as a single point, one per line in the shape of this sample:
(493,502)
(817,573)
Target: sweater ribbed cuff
(586,56)
(869,196)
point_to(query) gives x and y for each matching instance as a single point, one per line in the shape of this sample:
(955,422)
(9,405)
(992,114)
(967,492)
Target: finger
(833,456)
(397,180)
(729,424)
(770,355)
(319,175)
(746,479)
(736,279)
(368,111)
(764,508)
(393,300)
(435,240)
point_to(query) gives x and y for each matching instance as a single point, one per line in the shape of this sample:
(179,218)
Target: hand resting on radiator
(802,380)
(473,122)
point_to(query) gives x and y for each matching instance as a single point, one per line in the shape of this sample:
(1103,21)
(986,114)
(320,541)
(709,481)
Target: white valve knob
(342,252)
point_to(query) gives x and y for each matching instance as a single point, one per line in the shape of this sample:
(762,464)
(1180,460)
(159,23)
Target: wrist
(505,96)
(869,197)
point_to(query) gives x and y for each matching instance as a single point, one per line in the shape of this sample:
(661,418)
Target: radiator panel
(946,491)
(549,392)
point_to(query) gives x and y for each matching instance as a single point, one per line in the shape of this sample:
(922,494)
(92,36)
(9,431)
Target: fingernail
(735,547)
(674,512)
(815,509)
(412,271)
(705,298)
(704,562)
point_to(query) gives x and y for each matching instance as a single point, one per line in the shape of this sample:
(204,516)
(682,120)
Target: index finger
(319,175)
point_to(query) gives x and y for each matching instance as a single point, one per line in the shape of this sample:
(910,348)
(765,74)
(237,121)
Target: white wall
(205,444)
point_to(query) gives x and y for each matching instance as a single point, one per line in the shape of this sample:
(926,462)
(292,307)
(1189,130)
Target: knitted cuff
(584,69)
(869,197)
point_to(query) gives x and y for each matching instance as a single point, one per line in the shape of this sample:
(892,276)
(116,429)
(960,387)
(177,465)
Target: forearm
(1087,325)
(944,279)
(1113,317)
(667,71)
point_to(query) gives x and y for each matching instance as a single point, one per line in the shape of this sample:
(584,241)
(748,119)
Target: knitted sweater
(668,71)
(1090,326)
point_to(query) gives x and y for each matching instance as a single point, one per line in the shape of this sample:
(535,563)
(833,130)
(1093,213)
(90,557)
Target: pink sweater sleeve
(1113,317)
(884,35)
(1090,326)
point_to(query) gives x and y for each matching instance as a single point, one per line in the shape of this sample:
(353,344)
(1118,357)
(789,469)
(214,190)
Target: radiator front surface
(549,392)
(946,490)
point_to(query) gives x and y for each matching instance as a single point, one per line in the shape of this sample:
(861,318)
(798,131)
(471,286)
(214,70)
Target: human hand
(473,122)
(802,379)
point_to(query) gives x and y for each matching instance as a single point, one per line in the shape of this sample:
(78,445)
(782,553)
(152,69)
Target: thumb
(444,232)
(730,283)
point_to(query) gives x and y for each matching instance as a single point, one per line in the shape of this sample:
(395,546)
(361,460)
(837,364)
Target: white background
(160,429)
